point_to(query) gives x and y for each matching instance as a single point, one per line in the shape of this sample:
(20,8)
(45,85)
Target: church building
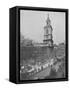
(48,39)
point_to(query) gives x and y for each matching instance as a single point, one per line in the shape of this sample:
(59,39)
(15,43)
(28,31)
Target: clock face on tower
(49,30)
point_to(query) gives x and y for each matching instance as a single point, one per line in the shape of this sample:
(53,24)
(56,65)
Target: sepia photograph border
(18,9)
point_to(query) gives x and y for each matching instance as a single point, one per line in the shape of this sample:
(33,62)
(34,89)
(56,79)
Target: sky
(32,25)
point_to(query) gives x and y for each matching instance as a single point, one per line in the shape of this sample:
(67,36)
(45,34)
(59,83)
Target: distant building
(48,39)
(48,33)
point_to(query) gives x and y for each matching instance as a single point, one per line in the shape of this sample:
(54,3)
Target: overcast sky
(32,25)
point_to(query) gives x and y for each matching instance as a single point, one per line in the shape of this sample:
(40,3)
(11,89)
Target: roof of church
(48,19)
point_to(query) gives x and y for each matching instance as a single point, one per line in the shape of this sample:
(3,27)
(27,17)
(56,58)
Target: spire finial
(48,19)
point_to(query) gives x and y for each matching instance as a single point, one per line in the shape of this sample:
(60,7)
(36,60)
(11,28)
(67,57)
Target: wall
(4,44)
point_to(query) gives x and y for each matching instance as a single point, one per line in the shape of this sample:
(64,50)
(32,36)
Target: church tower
(48,33)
